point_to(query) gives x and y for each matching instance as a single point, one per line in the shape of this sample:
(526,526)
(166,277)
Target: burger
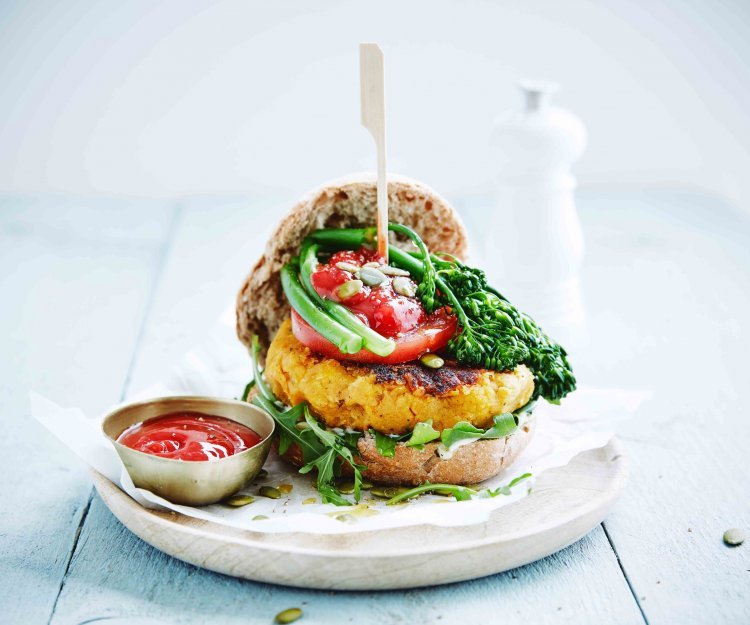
(411,372)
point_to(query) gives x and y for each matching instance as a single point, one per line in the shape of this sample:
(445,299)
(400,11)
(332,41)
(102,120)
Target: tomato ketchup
(189,436)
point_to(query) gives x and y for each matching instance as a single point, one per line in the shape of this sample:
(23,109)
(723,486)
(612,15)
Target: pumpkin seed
(262,474)
(393,271)
(285,488)
(371,276)
(302,425)
(372,263)
(237,501)
(287,616)
(366,485)
(344,518)
(387,492)
(349,289)
(734,537)
(260,517)
(310,500)
(346,487)
(433,361)
(350,267)
(404,286)
(270,492)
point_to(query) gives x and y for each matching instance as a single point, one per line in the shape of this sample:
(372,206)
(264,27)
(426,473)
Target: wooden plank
(668,288)
(212,252)
(114,573)
(75,280)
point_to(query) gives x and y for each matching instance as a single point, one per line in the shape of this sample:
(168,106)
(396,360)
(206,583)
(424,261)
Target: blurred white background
(193,97)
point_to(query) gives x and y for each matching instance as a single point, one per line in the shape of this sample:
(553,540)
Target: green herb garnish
(329,463)
(506,490)
(386,445)
(321,448)
(461,493)
(423,433)
(247,389)
(504,424)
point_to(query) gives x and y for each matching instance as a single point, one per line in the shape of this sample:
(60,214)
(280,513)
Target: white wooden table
(98,297)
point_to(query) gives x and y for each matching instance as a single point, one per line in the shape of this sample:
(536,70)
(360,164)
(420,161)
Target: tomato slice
(431,336)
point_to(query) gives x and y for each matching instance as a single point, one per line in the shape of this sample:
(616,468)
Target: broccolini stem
(344,238)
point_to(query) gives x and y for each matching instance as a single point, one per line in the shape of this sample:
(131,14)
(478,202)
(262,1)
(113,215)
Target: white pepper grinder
(534,244)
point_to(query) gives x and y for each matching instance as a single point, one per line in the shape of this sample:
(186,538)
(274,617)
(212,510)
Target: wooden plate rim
(604,501)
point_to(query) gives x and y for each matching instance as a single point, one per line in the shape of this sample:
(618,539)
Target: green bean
(371,340)
(308,263)
(343,338)
(353,238)
(344,238)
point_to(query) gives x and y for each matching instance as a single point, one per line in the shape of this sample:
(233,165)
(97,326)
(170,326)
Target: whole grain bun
(469,464)
(346,202)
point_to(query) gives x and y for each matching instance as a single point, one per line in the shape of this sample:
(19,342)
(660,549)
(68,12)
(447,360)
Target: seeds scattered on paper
(237,501)
(270,492)
(288,616)
(734,537)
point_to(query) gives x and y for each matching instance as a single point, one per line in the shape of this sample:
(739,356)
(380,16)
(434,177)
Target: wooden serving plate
(566,503)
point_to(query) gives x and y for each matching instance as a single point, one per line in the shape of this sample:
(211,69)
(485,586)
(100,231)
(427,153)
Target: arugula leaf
(500,490)
(518,479)
(423,433)
(461,493)
(505,424)
(327,470)
(330,494)
(506,489)
(329,467)
(385,444)
(248,388)
(351,439)
(263,388)
(288,433)
(321,449)
(461,431)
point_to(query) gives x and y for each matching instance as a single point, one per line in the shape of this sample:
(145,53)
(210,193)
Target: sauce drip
(189,436)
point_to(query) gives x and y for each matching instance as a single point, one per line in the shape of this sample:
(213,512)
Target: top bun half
(349,202)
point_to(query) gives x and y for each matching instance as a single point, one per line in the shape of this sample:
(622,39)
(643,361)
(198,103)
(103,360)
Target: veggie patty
(392,399)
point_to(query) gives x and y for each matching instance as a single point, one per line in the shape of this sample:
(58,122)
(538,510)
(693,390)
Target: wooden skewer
(372,92)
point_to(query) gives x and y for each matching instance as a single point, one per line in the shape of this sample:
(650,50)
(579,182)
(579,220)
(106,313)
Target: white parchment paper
(219,367)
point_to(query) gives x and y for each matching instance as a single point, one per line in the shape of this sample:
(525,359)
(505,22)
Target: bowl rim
(169,398)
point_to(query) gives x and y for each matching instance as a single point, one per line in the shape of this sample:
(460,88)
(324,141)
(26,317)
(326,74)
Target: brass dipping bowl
(190,482)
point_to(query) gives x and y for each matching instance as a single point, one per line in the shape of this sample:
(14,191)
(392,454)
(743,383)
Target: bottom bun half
(468,464)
